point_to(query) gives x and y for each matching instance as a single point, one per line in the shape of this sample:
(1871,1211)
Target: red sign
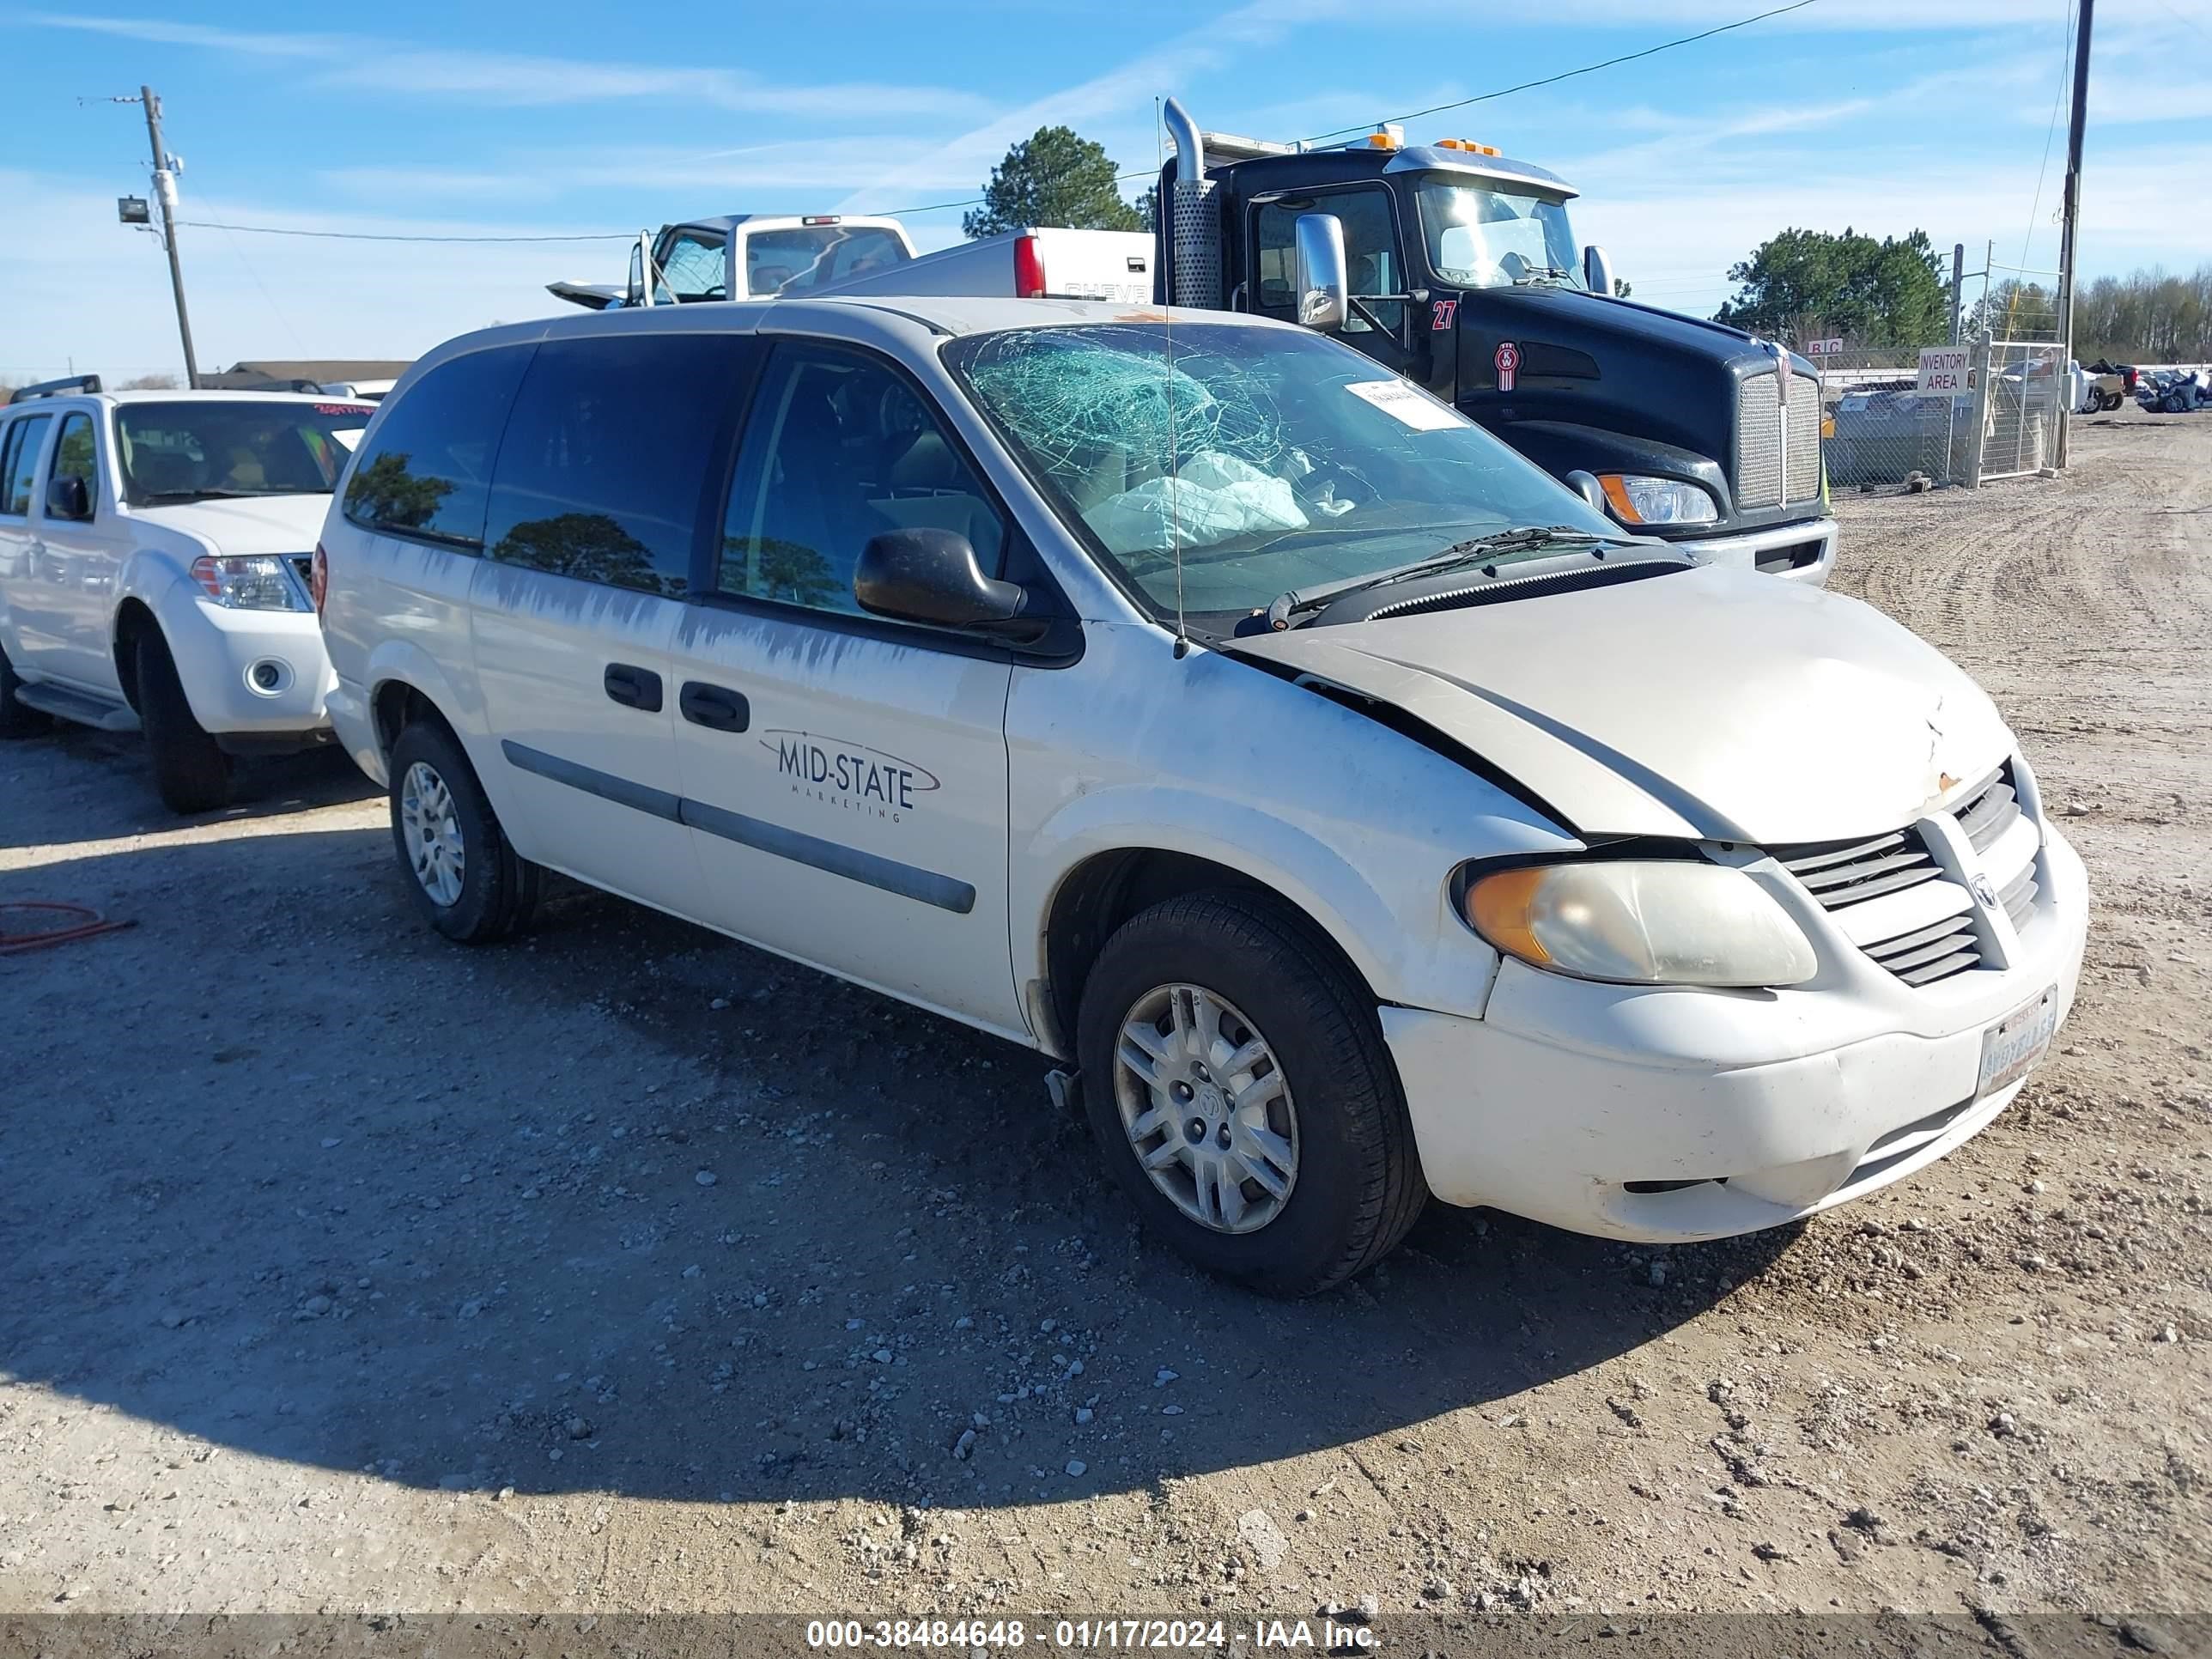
(1507,357)
(1441,318)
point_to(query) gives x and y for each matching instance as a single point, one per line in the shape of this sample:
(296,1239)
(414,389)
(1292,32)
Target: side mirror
(928,575)
(1585,485)
(1321,275)
(68,498)
(1597,270)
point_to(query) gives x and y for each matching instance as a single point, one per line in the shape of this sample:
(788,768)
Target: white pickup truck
(153,557)
(791,255)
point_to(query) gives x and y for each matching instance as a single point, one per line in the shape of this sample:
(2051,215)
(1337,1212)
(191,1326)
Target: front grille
(1992,810)
(1759,446)
(1928,947)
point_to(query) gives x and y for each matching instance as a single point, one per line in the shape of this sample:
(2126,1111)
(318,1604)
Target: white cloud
(518,79)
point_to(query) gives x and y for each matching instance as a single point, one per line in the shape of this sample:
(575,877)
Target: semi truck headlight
(1637,498)
(1656,922)
(259,583)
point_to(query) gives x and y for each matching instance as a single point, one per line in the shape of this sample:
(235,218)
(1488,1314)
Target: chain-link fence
(1992,406)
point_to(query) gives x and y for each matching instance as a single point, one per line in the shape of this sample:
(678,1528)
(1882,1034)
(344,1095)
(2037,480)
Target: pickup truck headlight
(257,583)
(1637,498)
(1656,922)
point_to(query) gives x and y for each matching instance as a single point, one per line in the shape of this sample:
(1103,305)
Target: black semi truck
(1457,268)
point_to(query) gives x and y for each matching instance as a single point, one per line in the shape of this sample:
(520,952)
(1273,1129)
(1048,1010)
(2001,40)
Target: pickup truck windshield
(1271,460)
(1487,237)
(195,451)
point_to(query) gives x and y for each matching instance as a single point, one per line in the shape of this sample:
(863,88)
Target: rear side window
(606,460)
(427,471)
(19,462)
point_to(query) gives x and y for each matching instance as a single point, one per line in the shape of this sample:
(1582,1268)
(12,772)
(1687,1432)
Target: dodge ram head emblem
(1984,889)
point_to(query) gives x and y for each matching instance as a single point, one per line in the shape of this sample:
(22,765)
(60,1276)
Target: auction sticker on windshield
(1408,404)
(2012,1046)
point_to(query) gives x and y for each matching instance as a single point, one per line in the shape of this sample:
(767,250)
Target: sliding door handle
(632,688)
(715,707)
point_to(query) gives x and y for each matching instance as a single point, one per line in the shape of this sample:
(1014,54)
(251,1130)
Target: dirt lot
(627,1268)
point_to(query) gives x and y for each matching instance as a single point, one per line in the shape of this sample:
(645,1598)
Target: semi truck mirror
(1322,282)
(1597,270)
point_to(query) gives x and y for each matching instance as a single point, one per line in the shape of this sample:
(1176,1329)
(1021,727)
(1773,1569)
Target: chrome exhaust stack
(1194,224)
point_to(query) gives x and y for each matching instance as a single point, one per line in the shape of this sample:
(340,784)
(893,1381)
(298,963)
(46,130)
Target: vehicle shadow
(627,1207)
(109,774)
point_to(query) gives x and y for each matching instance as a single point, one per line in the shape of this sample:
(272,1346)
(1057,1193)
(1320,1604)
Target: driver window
(1371,254)
(838,448)
(695,269)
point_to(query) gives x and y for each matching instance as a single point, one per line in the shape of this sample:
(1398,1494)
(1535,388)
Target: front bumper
(1669,1114)
(216,651)
(1801,552)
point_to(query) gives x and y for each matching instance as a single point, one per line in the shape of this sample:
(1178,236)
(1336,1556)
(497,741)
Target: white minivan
(1349,809)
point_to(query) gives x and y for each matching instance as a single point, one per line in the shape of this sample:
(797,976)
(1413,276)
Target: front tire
(467,881)
(190,770)
(1237,1082)
(18,720)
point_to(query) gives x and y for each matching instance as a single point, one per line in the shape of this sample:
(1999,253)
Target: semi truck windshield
(1475,232)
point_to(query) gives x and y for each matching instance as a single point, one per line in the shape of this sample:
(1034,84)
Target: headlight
(1638,499)
(1663,922)
(260,583)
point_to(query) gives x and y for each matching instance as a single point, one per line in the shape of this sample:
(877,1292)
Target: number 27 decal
(1445,312)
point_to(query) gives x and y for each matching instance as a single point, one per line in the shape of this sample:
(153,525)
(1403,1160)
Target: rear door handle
(714,706)
(632,688)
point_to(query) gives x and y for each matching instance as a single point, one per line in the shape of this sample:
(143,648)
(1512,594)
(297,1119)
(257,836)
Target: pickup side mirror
(1321,274)
(68,498)
(926,575)
(1597,270)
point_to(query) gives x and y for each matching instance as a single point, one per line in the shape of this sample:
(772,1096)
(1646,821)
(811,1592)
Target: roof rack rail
(54,388)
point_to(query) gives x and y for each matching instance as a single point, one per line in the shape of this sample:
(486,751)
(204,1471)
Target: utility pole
(2070,222)
(165,188)
(1958,285)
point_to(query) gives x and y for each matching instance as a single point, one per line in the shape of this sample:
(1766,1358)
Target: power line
(1122,179)
(380,236)
(1569,75)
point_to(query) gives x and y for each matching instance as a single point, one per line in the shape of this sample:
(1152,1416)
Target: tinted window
(837,449)
(607,456)
(427,470)
(19,462)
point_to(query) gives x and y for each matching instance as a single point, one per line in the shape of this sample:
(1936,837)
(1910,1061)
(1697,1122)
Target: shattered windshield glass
(1269,459)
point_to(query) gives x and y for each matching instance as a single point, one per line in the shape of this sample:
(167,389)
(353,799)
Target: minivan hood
(1709,704)
(264,524)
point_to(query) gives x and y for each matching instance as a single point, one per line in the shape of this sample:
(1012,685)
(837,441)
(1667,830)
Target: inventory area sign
(1942,371)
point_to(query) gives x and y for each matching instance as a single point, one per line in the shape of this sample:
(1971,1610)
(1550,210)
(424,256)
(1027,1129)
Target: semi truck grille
(1759,447)
(1930,940)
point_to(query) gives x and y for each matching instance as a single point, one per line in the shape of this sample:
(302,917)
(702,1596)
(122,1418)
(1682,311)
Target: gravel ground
(627,1268)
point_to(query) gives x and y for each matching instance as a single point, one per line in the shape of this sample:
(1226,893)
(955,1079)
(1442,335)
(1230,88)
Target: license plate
(2012,1046)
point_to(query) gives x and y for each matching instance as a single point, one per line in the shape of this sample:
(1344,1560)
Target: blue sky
(556,117)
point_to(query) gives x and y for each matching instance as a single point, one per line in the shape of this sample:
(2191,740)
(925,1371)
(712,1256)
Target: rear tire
(191,773)
(1341,1182)
(18,720)
(466,879)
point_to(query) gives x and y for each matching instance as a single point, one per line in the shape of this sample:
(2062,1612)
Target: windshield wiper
(1301,601)
(212,494)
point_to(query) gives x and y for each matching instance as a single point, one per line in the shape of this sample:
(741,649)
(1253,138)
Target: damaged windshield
(1269,460)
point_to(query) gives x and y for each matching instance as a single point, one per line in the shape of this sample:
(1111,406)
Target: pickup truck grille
(1759,449)
(1937,937)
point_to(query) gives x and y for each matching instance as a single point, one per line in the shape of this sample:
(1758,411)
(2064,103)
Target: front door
(845,777)
(82,557)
